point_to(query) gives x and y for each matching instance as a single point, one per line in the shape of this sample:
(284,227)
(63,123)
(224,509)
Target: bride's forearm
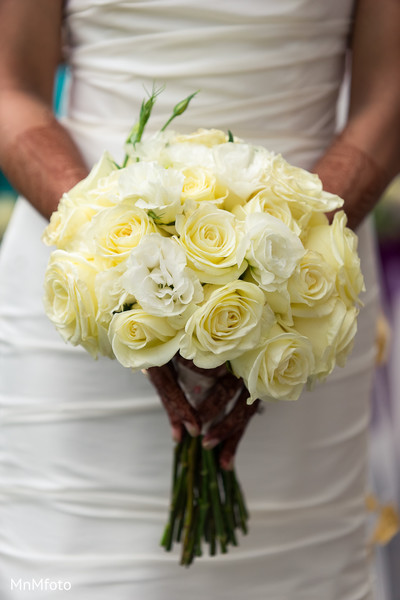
(363,160)
(36,153)
(352,174)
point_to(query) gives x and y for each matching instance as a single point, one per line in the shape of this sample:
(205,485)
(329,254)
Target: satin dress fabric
(85,445)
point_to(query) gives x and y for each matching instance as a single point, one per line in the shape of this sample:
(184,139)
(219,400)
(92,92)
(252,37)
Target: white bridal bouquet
(215,249)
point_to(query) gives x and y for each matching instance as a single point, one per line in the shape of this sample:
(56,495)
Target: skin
(42,161)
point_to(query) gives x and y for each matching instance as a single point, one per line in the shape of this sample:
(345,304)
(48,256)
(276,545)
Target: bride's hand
(229,431)
(224,387)
(180,412)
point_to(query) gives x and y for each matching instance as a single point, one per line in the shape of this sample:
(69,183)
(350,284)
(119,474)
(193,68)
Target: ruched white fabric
(85,446)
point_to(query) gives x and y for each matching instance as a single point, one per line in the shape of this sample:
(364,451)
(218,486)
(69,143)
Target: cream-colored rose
(278,300)
(140,340)
(338,245)
(77,207)
(331,336)
(154,189)
(67,224)
(159,278)
(205,137)
(312,288)
(114,232)
(200,185)
(227,324)
(310,220)
(103,168)
(294,184)
(303,217)
(278,368)
(106,193)
(210,238)
(70,301)
(272,250)
(345,338)
(265,202)
(243,169)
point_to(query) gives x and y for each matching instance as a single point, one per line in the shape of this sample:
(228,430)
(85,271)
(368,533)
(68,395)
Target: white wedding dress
(85,445)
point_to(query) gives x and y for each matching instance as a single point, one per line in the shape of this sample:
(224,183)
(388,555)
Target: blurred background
(385,404)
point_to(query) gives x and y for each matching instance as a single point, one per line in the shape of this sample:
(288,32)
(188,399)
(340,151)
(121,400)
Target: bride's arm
(36,152)
(365,157)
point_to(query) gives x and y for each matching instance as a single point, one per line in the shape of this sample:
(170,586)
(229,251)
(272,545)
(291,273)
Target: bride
(86,445)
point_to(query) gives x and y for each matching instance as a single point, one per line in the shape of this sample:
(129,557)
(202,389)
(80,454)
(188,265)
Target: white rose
(140,340)
(338,246)
(243,169)
(67,223)
(210,238)
(265,202)
(278,367)
(331,336)
(106,193)
(159,278)
(200,185)
(226,325)
(309,220)
(272,250)
(154,189)
(346,335)
(102,169)
(294,184)
(70,301)
(77,207)
(312,287)
(116,231)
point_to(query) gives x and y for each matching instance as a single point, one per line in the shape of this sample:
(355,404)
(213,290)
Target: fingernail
(210,444)
(176,434)
(228,465)
(193,430)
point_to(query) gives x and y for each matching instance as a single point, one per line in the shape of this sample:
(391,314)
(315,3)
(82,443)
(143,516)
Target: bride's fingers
(228,450)
(174,421)
(178,408)
(224,390)
(237,419)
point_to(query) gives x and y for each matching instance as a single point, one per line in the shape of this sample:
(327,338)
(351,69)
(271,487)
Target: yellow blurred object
(388,522)
(382,339)
(371,503)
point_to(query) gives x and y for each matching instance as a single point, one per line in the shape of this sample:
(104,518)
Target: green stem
(179,109)
(216,501)
(229,504)
(135,134)
(211,537)
(204,502)
(190,498)
(179,487)
(190,546)
(240,504)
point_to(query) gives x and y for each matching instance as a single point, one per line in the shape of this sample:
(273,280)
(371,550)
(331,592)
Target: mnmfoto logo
(44,585)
